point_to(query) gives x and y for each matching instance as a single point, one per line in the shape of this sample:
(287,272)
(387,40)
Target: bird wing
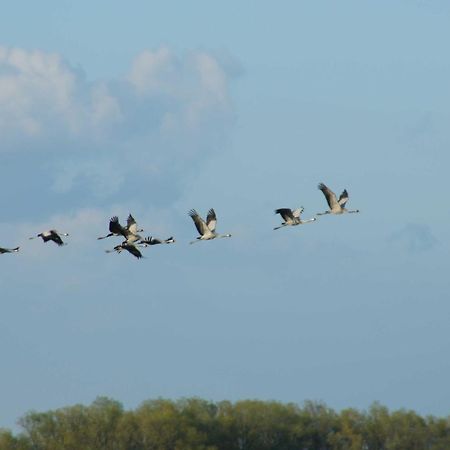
(296,213)
(131,224)
(211,220)
(149,240)
(329,195)
(343,198)
(8,250)
(200,224)
(286,214)
(133,250)
(55,237)
(115,227)
(154,241)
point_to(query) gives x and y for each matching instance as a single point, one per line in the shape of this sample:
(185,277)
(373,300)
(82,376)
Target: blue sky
(155,109)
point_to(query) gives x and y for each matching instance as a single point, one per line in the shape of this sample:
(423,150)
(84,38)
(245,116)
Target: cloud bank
(414,238)
(143,132)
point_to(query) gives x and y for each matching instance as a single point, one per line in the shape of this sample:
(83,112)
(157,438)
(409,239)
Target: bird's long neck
(107,236)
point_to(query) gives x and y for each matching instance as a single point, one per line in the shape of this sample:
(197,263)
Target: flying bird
(155,241)
(132,225)
(129,232)
(131,248)
(292,217)
(207,230)
(115,229)
(9,250)
(337,206)
(51,235)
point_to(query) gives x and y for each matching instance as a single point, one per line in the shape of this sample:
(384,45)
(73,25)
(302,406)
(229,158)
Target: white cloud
(34,87)
(107,176)
(167,114)
(155,72)
(39,91)
(193,85)
(105,107)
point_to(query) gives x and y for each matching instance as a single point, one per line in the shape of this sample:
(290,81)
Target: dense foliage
(195,424)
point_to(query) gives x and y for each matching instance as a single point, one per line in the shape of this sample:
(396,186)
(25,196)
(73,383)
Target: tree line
(196,424)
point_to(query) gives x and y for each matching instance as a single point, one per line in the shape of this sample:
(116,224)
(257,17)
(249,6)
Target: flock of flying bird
(206,228)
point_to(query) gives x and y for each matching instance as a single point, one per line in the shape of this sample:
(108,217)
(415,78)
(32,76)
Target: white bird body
(292,217)
(206,229)
(337,206)
(132,230)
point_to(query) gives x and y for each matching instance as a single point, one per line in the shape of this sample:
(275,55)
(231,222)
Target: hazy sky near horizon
(154,109)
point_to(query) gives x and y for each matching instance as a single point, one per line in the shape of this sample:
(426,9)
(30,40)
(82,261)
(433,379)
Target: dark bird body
(51,235)
(9,250)
(131,248)
(155,241)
